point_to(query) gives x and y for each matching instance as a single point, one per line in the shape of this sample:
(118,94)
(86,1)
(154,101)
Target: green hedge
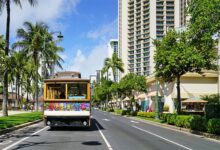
(198,123)
(214,126)
(193,122)
(183,121)
(121,112)
(146,114)
(212,111)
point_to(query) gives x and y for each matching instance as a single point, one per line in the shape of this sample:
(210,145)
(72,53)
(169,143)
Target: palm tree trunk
(27,91)
(36,86)
(5,82)
(178,95)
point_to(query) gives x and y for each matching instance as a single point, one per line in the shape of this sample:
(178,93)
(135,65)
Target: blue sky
(87,26)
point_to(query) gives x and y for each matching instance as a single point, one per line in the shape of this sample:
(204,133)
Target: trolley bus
(67,100)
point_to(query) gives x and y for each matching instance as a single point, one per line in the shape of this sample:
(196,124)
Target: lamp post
(218,65)
(157,100)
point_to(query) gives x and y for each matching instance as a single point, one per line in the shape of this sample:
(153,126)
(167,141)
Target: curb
(7,130)
(171,127)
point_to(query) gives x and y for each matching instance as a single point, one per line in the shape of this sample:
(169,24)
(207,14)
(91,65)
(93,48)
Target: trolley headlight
(84,123)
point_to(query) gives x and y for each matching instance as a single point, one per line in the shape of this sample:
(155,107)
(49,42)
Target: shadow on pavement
(93,127)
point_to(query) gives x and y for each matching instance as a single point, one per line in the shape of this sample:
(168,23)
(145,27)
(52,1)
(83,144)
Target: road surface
(108,132)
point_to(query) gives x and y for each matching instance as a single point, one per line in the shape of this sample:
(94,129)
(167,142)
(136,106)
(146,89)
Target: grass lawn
(13,120)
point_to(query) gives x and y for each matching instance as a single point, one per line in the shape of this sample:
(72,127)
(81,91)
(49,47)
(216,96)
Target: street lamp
(218,65)
(157,100)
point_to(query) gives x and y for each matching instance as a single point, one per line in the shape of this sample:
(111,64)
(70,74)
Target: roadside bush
(163,116)
(214,126)
(121,112)
(110,110)
(133,113)
(183,121)
(198,123)
(146,114)
(171,118)
(212,111)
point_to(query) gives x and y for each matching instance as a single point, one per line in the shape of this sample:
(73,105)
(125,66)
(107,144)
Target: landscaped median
(19,119)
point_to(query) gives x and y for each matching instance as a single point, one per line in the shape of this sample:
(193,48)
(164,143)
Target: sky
(87,27)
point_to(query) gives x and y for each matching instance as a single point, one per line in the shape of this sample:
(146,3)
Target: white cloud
(48,11)
(87,64)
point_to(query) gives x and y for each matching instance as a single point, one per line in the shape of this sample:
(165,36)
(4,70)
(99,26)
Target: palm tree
(16,71)
(2,56)
(38,44)
(113,63)
(7,4)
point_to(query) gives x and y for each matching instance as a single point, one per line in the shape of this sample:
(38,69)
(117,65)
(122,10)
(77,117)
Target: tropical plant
(7,4)
(2,57)
(213,98)
(38,44)
(113,63)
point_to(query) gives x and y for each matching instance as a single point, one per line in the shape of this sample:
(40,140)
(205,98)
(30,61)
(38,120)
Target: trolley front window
(71,91)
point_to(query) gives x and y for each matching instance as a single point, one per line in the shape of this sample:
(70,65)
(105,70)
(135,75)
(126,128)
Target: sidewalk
(13,112)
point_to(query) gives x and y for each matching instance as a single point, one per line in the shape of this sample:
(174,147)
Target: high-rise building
(113,48)
(142,21)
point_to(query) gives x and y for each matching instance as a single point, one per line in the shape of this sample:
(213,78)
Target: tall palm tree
(38,44)
(7,4)
(2,56)
(16,71)
(113,63)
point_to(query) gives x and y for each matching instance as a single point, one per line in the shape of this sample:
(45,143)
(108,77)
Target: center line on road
(104,138)
(134,121)
(162,138)
(16,143)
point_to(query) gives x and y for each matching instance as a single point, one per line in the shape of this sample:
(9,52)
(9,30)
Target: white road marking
(162,138)
(16,143)
(104,138)
(106,119)
(134,121)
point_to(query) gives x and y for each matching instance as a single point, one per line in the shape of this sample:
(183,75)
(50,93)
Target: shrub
(183,121)
(121,112)
(171,118)
(198,123)
(146,114)
(110,110)
(133,113)
(214,126)
(163,116)
(212,111)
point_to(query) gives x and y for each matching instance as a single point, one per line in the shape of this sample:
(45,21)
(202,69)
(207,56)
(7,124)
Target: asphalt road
(108,132)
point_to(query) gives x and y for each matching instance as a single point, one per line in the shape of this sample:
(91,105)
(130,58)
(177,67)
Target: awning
(126,99)
(141,96)
(153,93)
(194,100)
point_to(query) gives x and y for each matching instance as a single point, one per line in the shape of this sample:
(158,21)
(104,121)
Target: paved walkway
(13,112)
